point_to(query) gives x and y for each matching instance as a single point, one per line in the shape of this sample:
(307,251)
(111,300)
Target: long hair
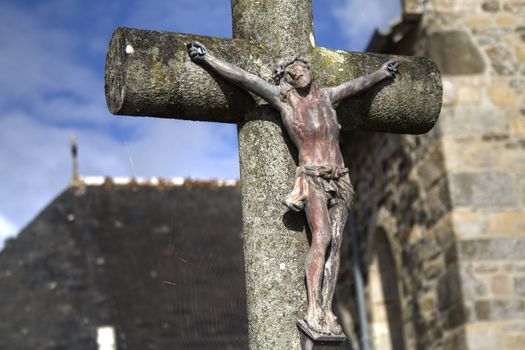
(278,76)
(278,72)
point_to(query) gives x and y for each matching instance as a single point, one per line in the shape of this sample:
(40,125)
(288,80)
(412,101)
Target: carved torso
(311,122)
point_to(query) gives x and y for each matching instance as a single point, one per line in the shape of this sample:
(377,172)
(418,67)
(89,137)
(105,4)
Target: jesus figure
(322,185)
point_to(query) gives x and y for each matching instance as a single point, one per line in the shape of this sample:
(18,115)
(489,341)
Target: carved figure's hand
(196,50)
(390,68)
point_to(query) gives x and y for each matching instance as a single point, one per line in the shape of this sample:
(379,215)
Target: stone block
(490,6)
(455,340)
(508,20)
(519,285)
(469,95)
(520,53)
(514,341)
(518,126)
(432,167)
(433,269)
(469,224)
(461,57)
(485,268)
(442,233)
(514,267)
(452,255)
(438,201)
(501,95)
(507,223)
(501,285)
(475,21)
(428,302)
(481,338)
(486,189)
(449,289)
(468,121)
(512,248)
(502,59)
(472,286)
(456,316)
(516,6)
(499,309)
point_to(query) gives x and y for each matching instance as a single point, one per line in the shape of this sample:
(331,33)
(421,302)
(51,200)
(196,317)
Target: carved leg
(339,214)
(319,221)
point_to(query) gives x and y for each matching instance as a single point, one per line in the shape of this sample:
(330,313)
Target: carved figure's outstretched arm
(200,54)
(349,88)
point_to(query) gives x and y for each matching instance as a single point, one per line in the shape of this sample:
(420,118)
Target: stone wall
(452,202)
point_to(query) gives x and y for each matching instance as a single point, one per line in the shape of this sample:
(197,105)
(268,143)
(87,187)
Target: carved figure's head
(296,73)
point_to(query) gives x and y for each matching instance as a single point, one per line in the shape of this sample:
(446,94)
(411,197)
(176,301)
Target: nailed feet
(322,323)
(333,325)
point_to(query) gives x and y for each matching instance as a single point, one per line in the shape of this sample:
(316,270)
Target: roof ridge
(155,181)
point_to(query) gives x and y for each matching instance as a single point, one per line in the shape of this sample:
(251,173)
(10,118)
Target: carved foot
(333,325)
(316,322)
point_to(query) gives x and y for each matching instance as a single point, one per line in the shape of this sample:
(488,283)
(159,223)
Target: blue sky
(52,57)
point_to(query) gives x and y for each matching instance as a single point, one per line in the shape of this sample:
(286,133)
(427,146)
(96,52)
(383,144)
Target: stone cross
(148,73)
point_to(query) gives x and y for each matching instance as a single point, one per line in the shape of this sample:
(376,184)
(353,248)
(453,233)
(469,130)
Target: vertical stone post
(275,244)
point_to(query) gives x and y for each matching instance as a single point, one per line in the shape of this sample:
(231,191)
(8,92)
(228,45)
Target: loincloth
(333,181)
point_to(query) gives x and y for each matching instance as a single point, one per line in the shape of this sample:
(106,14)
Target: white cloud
(48,92)
(40,73)
(359,18)
(7,229)
(37,159)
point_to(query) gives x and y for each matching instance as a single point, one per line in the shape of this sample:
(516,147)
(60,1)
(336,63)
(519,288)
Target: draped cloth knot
(330,180)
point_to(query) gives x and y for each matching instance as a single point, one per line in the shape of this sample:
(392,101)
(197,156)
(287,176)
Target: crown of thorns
(279,71)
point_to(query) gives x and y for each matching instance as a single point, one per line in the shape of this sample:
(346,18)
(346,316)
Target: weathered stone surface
(501,309)
(455,340)
(449,288)
(482,189)
(473,287)
(409,104)
(486,268)
(150,73)
(519,285)
(468,225)
(492,249)
(461,55)
(502,96)
(482,144)
(158,79)
(490,6)
(507,223)
(516,6)
(471,121)
(501,285)
(438,202)
(477,21)
(514,267)
(501,59)
(432,168)
(275,242)
(469,95)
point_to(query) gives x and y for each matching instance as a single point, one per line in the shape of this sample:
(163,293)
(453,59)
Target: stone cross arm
(149,73)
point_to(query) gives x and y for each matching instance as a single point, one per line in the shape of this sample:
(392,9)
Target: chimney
(76,182)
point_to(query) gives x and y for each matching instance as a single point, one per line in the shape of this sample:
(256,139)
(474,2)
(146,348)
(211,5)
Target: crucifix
(149,73)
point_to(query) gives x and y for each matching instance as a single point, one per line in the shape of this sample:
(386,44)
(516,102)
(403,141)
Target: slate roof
(160,261)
